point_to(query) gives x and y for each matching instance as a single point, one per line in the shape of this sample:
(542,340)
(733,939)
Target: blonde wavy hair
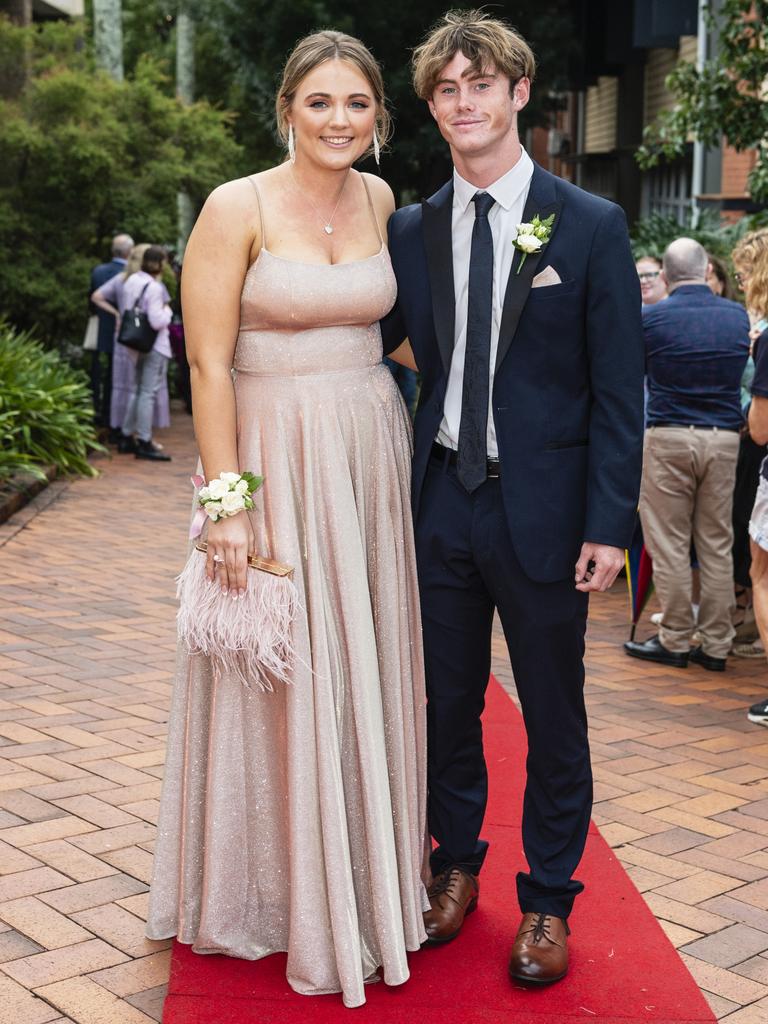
(751,255)
(314,50)
(485,41)
(133,263)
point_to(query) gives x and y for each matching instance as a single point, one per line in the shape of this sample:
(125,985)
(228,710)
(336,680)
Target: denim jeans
(151,369)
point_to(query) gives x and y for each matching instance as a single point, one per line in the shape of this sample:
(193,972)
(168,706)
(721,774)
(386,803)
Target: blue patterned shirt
(696,348)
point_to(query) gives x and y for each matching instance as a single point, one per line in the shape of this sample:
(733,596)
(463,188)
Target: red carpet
(623,970)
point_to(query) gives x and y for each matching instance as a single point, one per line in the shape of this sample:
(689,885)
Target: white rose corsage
(532,237)
(225,496)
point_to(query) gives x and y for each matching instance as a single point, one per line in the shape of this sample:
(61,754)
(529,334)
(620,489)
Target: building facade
(627,51)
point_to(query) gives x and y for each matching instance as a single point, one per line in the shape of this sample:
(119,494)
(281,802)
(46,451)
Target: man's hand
(598,566)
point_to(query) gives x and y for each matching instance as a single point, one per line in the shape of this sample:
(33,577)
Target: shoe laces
(539,929)
(445,882)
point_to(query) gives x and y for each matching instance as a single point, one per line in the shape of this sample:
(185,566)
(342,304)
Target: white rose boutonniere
(532,237)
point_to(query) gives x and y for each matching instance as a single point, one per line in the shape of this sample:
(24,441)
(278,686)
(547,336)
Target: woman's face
(652,287)
(333,115)
(741,275)
(714,282)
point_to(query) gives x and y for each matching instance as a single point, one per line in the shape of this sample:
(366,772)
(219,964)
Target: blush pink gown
(295,820)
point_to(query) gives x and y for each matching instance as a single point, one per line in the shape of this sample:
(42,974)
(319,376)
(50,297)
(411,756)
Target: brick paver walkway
(86,660)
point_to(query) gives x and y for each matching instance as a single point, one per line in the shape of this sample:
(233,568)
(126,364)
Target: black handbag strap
(137,303)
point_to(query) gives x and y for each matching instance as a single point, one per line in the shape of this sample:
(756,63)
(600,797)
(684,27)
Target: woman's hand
(98,300)
(229,541)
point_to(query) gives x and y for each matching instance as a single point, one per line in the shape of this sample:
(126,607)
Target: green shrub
(46,414)
(651,235)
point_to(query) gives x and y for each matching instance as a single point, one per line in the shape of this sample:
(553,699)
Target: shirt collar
(690,289)
(119,259)
(506,190)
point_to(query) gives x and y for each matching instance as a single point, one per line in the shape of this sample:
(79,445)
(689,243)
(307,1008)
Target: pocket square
(548,276)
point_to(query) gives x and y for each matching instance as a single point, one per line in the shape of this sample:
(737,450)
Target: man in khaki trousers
(696,349)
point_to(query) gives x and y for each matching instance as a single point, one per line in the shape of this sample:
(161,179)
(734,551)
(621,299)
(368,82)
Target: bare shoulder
(230,218)
(230,199)
(381,195)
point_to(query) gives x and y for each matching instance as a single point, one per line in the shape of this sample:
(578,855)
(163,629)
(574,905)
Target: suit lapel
(437,215)
(542,200)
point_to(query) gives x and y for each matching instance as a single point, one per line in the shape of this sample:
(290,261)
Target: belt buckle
(492,469)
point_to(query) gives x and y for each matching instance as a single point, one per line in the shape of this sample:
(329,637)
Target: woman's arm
(215,264)
(758,420)
(384,204)
(158,310)
(106,297)
(403,354)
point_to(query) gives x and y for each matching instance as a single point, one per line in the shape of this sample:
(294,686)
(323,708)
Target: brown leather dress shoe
(540,952)
(452,895)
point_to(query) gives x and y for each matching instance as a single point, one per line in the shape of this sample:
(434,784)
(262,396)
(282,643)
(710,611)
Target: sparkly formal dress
(295,820)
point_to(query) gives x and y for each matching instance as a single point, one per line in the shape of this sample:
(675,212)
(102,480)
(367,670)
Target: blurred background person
(653,288)
(101,358)
(696,348)
(719,279)
(747,473)
(179,343)
(750,258)
(111,298)
(146,288)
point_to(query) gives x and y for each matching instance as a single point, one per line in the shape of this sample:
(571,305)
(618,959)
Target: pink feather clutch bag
(250,638)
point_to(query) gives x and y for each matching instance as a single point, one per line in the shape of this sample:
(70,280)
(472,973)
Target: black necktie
(473,445)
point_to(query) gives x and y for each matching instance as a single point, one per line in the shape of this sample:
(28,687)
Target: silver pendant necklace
(327,225)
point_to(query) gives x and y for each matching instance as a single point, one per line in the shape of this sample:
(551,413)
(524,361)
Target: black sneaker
(146,450)
(758,713)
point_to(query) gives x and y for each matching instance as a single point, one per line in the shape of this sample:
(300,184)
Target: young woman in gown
(295,820)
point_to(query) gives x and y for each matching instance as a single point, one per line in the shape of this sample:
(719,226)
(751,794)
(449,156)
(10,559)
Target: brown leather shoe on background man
(452,895)
(540,952)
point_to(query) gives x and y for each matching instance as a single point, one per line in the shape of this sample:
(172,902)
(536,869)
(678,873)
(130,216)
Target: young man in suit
(520,299)
(101,358)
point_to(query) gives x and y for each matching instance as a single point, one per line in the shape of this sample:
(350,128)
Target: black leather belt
(448,456)
(696,426)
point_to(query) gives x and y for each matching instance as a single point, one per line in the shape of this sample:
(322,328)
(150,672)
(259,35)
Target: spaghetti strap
(261,212)
(373,210)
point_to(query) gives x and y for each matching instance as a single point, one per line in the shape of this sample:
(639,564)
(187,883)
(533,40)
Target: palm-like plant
(46,414)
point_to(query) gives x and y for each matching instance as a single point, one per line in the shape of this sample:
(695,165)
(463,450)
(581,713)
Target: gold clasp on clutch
(257,562)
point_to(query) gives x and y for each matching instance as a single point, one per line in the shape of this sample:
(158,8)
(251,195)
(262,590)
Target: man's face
(475,114)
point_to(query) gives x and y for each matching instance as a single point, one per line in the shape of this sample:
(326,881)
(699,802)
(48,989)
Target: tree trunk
(185,91)
(19,11)
(15,74)
(108,36)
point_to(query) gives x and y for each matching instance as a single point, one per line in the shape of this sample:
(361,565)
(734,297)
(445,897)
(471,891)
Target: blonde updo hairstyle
(134,261)
(314,50)
(751,254)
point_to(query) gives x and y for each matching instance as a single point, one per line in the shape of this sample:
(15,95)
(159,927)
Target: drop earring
(376,148)
(291,144)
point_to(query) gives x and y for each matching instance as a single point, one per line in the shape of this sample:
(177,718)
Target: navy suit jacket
(99,276)
(568,388)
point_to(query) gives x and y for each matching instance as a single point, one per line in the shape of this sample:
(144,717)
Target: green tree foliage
(83,158)
(725,98)
(241,46)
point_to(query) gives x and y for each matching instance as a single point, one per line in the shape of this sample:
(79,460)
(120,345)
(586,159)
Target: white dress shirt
(510,192)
